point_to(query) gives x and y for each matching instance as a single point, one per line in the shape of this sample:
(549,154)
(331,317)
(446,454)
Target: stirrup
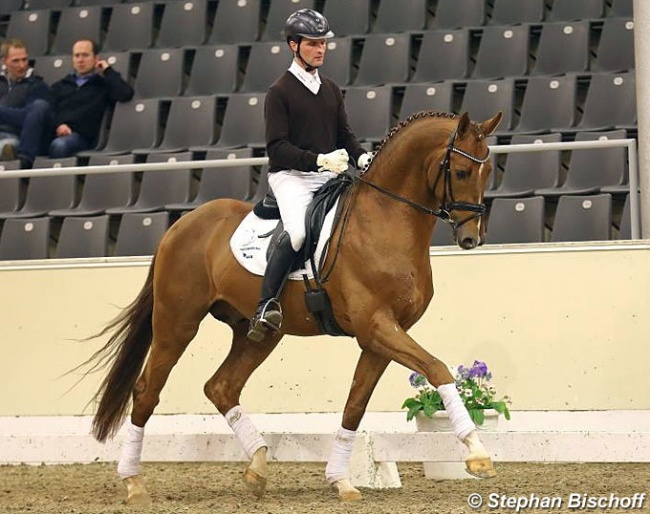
(268,318)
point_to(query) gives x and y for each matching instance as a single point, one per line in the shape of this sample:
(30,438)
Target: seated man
(79,100)
(22,106)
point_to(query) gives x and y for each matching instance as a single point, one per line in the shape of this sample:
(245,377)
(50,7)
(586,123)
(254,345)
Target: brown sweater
(301,125)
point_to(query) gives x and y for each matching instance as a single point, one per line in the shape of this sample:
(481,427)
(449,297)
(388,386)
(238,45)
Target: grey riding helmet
(307,23)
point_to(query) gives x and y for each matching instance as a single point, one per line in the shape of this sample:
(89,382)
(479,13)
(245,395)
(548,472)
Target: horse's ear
(463,125)
(490,125)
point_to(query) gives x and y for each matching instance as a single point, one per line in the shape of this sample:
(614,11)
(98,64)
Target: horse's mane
(418,116)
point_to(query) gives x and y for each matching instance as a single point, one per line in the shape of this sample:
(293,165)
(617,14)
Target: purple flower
(479,369)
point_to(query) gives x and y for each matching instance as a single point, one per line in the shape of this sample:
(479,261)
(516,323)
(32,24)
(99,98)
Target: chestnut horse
(432,165)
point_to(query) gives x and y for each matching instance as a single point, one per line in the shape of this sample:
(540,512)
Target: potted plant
(476,391)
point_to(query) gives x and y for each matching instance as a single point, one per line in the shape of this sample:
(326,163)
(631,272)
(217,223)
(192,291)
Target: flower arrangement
(473,384)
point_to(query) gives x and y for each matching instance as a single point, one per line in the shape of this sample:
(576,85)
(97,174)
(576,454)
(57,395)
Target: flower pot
(452,470)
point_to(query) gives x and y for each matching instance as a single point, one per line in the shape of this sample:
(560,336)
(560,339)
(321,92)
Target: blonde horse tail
(126,352)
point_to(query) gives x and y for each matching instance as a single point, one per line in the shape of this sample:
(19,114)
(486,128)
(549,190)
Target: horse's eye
(463,174)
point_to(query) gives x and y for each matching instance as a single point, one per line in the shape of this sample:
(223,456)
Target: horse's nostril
(468,243)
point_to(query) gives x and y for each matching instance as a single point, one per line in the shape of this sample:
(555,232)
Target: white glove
(364,160)
(336,161)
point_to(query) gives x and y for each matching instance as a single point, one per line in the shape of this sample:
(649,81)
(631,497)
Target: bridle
(448,203)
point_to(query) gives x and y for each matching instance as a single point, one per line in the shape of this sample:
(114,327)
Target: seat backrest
(261,184)
(191,122)
(385,59)
(46,194)
(160,74)
(159,188)
(139,233)
(625,226)
(483,98)
(266,62)
(83,236)
(130,27)
(443,55)
(183,24)
(622,9)
(10,6)
(338,60)
(511,12)
(120,62)
(399,16)
(135,124)
(516,220)
(348,18)
(370,111)
(563,48)
(279,11)
(549,103)
(53,67)
(10,188)
(25,239)
(33,28)
(34,5)
(455,14)
(77,23)
(236,23)
(616,46)
(568,10)
(232,182)
(583,218)
(214,70)
(427,97)
(610,102)
(107,190)
(502,52)
(443,235)
(243,121)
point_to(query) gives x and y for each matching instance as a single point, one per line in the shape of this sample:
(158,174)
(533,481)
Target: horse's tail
(127,350)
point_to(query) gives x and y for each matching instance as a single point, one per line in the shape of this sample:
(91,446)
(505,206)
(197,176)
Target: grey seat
(183,24)
(131,27)
(511,12)
(46,4)
(616,46)
(120,62)
(214,70)
(443,235)
(279,11)
(399,16)
(529,171)
(610,102)
(625,225)
(77,23)
(160,74)
(159,188)
(426,97)
(385,59)
(236,22)
(140,233)
(622,9)
(10,6)
(455,14)
(502,52)
(53,67)
(234,182)
(85,236)
(483,98)
(338,62)
(583,218)
(568,10)
(261,184)
(104,190)
(370,111)
(516,220)
(454,45)
(45,194)
(549,104)
(25,239)
(563,48)
(33,28)
(593,168)
(266,62)
(10,188)
(348,18)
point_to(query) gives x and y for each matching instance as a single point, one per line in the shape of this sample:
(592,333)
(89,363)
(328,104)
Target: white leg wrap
(129,464)
(458,415)
(249,437)
(339,461)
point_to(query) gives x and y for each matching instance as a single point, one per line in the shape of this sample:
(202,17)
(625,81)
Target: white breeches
(294,190)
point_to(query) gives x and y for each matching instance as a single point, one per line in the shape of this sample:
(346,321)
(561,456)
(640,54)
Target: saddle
(324,199)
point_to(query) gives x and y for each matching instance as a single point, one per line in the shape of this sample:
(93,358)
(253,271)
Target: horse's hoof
(255,482)
(350,496)
(136,492)
(481,468)
(346,491)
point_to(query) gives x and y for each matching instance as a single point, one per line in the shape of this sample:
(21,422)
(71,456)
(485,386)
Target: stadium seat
(25,239)
(622,9)
(385,59)
(455,14)
(120,62)
(610,102)
(10,188)
(563,48)
(570,10)
(160,74)
(33,28)
(88,3)
(140,233)
(616,47)
(183,24)
(512,12)
(56,5)
(266,62)
(85,236)
(399,16)
(583,218)
(516,220)
(625,226)
(484,98)
(279,11)
(427,97)
(502,52)
(369,111)
(443,235)
(338,63)
(77,23)
(236,23)
(214,70)
(454,45)
(348,18)
(53,67)
(549,104)
(10,6)
(131,27)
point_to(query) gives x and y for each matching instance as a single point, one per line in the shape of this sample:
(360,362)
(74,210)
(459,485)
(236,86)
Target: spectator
(23,108)
(80,99)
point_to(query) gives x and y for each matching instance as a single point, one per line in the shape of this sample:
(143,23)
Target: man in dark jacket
(79,100)
(23,109)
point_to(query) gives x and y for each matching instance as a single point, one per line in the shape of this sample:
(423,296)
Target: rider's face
(312,51)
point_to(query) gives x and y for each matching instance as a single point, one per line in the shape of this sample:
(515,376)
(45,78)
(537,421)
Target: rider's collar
(309,80)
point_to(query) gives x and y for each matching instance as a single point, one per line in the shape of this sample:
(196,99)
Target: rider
(308,142)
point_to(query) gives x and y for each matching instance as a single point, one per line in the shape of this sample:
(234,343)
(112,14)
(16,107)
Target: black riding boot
(268,314)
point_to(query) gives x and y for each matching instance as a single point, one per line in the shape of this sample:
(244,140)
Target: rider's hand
(364,160)
(336,161)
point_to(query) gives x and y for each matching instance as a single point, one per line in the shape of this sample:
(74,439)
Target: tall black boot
(268,314)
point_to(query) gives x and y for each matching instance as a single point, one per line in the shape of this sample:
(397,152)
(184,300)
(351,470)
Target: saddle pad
(250,249)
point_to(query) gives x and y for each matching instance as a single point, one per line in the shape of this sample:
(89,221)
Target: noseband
(448,204)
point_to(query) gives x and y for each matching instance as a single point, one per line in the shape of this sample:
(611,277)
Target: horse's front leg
(385,337)
(369,370)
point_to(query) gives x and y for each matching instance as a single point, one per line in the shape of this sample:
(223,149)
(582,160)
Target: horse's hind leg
(224,391)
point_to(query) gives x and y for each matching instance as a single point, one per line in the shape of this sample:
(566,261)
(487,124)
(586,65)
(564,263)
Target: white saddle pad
(250,249)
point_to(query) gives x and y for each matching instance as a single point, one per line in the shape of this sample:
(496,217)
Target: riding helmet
(307,23)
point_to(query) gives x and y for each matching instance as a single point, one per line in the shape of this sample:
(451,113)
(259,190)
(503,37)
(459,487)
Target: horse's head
(460,180)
